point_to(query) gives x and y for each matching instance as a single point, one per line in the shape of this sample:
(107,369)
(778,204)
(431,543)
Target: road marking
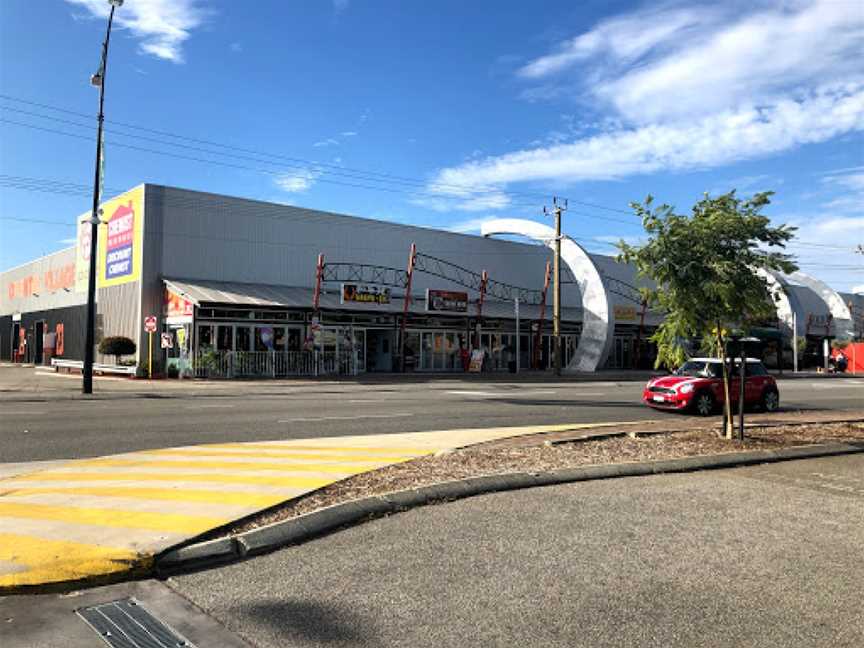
(165,494)
(171,522)
(286,466)
(290,446)
(345,418)
(285,454)
(24,413)
(194,407)
(299,482)
(366,400)
(47,561)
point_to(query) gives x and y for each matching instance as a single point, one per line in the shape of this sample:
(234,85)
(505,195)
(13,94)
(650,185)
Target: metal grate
(126,624)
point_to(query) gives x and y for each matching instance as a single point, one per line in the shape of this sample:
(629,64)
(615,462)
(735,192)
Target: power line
(305,163)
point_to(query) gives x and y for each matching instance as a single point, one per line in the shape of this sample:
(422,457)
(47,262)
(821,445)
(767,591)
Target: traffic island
(508,464)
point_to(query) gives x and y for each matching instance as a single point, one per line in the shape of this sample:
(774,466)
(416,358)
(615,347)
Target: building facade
(265,287)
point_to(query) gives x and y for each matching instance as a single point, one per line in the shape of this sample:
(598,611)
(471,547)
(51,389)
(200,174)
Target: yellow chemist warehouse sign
(121,242)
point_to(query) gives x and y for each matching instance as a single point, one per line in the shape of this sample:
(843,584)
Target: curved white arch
(840,315)
(784,300)
(595,340)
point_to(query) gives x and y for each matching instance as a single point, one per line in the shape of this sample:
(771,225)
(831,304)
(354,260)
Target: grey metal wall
(41,298)
(207,236)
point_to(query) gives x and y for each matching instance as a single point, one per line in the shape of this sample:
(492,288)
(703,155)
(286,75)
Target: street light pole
(97,79)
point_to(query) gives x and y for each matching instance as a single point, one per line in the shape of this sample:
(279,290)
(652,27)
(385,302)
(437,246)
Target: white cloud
(348,133)
(68,241)
(162,25)
(297,181)
(326,142)
(851,179)
(710,141)
(340,5)
(676,62)
(679,88)
(470,226)
(236,47)
(452,199)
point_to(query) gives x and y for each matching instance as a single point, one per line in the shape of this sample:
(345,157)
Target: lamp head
(116,3)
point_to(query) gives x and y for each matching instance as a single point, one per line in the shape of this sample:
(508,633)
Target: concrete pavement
(764,556)
(91,518)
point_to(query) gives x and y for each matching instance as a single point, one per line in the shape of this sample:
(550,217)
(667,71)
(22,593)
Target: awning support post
(406,303)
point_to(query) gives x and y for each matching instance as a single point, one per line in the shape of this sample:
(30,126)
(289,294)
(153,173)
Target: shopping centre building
(242,287)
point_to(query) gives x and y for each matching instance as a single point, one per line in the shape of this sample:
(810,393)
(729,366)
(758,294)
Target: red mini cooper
(698,386)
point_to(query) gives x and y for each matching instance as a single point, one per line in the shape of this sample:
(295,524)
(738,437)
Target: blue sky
(443,114)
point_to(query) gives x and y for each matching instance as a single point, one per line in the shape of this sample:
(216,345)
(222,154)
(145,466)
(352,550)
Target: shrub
(117,346)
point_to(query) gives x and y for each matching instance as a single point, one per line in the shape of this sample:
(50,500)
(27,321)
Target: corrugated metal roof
(203,291)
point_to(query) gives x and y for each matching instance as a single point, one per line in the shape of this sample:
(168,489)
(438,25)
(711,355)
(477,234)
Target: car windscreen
(700,369)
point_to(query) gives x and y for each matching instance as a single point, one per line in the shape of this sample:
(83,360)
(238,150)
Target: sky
(443,114)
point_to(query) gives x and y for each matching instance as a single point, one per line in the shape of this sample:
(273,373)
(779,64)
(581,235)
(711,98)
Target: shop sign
(177,306)
(120,242)
(625,313)
(50,281)
(446,301)
(359,293)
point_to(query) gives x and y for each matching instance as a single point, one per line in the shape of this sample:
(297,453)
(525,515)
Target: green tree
(703,266)
(118,346)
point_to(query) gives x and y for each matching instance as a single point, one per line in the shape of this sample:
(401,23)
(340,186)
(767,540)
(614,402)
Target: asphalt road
(762,556)
(45,424)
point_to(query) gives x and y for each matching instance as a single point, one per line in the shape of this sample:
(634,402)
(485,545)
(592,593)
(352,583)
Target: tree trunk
(727,405)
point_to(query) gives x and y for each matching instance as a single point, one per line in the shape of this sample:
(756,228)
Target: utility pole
(557,210)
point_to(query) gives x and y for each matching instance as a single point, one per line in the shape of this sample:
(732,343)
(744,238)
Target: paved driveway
(763,556)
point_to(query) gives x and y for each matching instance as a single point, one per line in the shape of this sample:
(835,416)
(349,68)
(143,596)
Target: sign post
(150,327)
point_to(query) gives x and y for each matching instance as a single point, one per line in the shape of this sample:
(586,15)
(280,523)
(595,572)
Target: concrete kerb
(312,525)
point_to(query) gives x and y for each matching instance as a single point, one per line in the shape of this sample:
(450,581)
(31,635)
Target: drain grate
(126,624)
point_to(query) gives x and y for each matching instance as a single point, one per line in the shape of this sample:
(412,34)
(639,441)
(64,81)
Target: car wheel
(770,400)
(703,403)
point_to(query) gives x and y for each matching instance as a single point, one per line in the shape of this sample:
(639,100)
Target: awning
(203,292)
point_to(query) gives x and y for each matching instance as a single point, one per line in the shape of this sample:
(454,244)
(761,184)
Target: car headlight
(686,389)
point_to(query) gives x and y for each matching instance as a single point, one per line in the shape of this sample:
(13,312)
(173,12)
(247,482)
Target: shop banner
(476,364)
(364,294)
(120,242)
(446,301)
(176,306)
(625,313)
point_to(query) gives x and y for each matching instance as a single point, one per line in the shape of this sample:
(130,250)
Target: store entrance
(379,350)
(38,338)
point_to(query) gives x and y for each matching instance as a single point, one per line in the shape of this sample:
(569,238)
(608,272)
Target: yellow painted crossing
(65,521)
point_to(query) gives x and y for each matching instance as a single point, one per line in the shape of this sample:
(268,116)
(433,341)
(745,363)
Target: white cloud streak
(162,26)
(692,88)
(297,181)
(714,140)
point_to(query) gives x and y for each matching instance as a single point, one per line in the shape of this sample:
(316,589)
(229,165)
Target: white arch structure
(598,325)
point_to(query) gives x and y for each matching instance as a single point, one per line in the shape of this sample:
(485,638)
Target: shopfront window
(243,338)
(205,336)
(264,338)
(225,337)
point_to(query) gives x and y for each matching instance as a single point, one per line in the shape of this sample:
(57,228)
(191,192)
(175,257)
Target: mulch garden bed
(498,458)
